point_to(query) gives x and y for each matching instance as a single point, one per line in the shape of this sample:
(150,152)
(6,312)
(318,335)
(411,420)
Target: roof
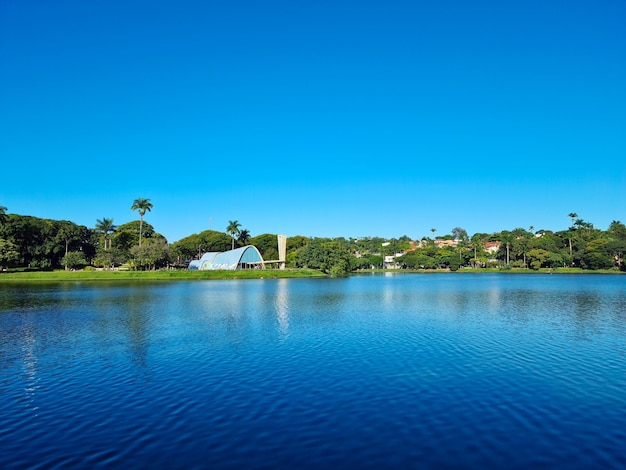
(229,260)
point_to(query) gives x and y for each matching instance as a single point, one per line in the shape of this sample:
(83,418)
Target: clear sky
(323,118)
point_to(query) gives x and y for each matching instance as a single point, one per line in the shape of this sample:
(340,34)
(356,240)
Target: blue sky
(326,118)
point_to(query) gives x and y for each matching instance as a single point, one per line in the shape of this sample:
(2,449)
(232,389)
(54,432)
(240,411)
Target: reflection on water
(29,361)
(282,308)
(368,371)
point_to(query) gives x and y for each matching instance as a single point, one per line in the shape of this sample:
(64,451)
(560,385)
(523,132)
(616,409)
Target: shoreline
(171,275)
(164,275)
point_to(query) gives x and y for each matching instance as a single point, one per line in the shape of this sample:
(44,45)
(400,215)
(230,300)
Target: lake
(371,371)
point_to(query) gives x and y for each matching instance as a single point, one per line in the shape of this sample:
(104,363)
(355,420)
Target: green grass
(163,275)
(156,275)
(497,270)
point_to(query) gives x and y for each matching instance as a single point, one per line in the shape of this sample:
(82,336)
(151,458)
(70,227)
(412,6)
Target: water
(397,371)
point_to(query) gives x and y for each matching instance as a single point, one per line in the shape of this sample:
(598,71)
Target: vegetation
(233,229)
(141,205)
(159,275)
(32,244)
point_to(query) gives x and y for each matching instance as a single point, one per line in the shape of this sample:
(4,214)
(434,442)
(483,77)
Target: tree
(459,233)
(521,241)
(573,216)
(193,246)
(127,235)
(110,258)
(598,255)
(267,244)
(105,226)
(244,236)
(327,256)
(506,238)
(477,242)
(3,215)
(8,253)
(141,205)
(233,229)
(152,254)
(74,259)
(537,258)
(69,234)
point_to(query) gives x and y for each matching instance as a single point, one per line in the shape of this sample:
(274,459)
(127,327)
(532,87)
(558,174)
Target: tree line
(29,242)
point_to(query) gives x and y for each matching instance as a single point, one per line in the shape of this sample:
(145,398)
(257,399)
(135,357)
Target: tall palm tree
(506,237)
(233,229)
(142,205)
(3,215)
(573,216)
(477,243)
(105,226)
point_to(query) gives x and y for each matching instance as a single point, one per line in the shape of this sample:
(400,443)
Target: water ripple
(371,372)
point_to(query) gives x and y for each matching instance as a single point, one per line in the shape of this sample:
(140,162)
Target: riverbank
(496,270)
(164,275)
(161,275)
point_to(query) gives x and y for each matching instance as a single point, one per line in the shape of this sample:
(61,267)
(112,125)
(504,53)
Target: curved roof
(229,259)
(207,259)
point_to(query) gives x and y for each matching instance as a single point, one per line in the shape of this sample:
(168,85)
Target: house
(492,247)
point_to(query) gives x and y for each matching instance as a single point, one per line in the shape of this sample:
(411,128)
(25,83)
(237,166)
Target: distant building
(390,262)
(441,243)
(492,247)
(247,257)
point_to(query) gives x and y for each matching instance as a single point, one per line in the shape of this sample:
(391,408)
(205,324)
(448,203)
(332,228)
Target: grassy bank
(156,275)
(496,270)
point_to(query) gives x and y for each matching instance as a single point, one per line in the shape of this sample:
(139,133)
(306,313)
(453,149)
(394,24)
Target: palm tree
(506,237)
(105,226)
(142,205)
(573,216)
(233,229)
(477,243)
(244,236)
(3,215)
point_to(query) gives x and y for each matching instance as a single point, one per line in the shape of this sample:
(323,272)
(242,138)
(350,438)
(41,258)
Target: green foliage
(110,258)
(417,259)
(151,254)
(42,243)
(127,235)
(3,215)
(327,256)
(141,205)
(105,226)
(8,253)
(74,260)
(91,274)
(267,244)
(368,261)
(233,228)
(295,243)
(193,246)
(597,255)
